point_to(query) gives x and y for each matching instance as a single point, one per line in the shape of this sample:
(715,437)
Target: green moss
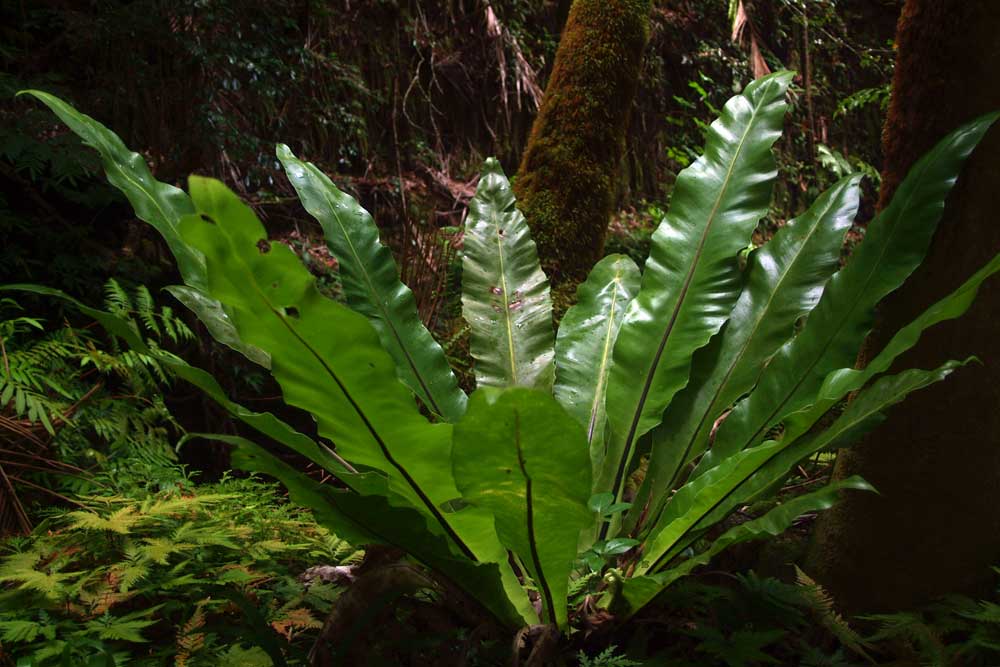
(566,182)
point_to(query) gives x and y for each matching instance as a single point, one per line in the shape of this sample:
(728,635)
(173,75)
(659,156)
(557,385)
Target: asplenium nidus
(686,370)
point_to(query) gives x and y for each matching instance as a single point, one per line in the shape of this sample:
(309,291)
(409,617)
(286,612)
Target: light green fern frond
(17,562)
(123,628)
(182,504)
(121,521)
(130,571)
(116,298)
(25,631)
(146,309)
(159,549)
(52,584)
(577,586)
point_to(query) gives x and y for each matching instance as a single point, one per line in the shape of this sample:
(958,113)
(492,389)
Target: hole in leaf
(264,246)
(292,312)
(205,218)
(453,505)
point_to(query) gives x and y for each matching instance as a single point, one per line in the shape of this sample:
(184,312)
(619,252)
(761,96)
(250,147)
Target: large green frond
(519,455)
(785,279)
(638,591)
(505,295)
(742,477)
(373,288)
(894,246)
(161,205)
(327,358)
(585,340)
(692,277)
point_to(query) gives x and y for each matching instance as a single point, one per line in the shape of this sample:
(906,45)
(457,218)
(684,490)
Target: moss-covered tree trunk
(566,183)
(935,527)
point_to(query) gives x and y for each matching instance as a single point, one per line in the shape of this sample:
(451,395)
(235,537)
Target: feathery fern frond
(822,605)
(121,521)
(190,639)
(116,298)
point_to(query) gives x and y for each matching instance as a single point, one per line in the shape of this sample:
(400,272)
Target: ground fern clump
(195,573)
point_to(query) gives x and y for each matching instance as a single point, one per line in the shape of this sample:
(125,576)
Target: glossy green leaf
(373,288)
(585,339)
(327,358)
(739,479)
(894,246)
(367,520)
(692,277)
(215,319)
(639,591)
(600,502)
(518,454)
(712,493)
(785,279)
(159,204)
(861,415)
(618,546)
(839,383)
(478,530)
(505,295)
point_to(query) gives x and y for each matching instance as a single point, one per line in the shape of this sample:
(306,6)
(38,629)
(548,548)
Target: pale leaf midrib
(508,322)
(606,354)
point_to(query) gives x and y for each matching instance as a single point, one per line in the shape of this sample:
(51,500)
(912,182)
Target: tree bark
(934,528)
(566,182)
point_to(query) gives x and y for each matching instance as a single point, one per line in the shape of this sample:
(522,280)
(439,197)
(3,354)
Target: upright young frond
(146,310)
(116,298)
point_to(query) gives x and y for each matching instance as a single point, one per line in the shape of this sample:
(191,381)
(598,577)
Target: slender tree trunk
(566,183)
(935,526)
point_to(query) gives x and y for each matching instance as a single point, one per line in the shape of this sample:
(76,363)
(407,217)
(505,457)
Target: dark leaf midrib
(530,522)
(386,319)
(367,423)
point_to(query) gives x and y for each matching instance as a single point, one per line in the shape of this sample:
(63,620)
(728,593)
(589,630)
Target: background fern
(165,567)
(77,411)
